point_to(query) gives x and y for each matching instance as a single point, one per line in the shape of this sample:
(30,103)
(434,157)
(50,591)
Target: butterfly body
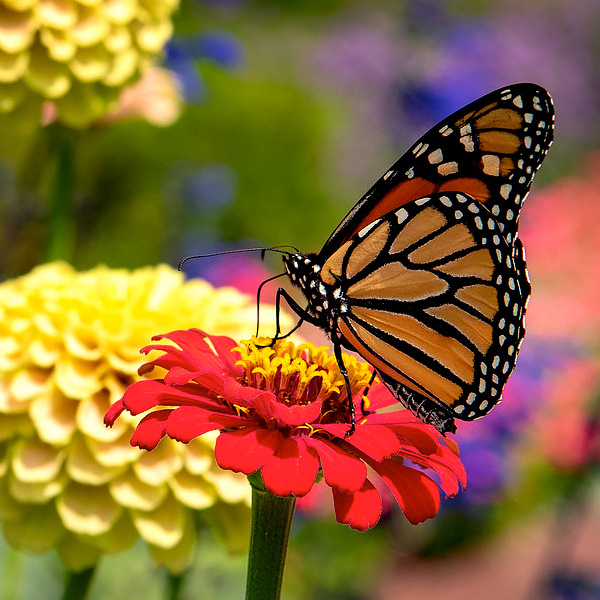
(426,277)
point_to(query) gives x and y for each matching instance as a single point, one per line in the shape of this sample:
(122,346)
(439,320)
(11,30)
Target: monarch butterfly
(425,277)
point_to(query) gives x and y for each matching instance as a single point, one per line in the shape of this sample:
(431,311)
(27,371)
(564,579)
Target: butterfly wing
(431,299)
(490,150)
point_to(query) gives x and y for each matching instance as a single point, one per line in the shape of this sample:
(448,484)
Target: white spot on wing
(435,157)
(505,190)
(491,164)
(367,228)
(402,215)
(448,168)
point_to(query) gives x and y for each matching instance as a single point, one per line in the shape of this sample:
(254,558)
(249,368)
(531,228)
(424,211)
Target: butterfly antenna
(262,251)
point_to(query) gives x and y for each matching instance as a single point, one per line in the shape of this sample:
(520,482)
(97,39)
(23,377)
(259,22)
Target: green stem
(77,585)
(61,226)
(272,518)
(175,584)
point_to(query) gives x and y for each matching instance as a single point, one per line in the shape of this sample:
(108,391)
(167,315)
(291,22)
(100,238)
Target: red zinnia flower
(283,410)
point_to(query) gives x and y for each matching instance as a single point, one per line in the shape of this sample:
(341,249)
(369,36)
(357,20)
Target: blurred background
(284,114)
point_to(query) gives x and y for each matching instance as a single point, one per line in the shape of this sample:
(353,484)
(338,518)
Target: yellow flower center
(301,374)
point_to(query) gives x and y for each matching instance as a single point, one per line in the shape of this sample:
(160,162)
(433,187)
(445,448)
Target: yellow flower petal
(8,403)
(90,415)
(16,30)
(82,467)
(58,44)
(159,465)
(120,536)
(88,510)
(193,491)
(36,493)
(29,383)
(163,526)
(60,14)
(91,63)
(231,487)
(199,455)
(118,40)
(115,452)
(82,342)
(152,37)
(178,557)
(13,66)
(20,4)
(54,418)
(120,12)
(91,28)
(123,361)
(77,378)
(46,76)
(44,351)
(36,462)
(123,69)
(129,491)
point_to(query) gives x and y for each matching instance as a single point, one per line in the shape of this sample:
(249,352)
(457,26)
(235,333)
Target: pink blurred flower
(562,238)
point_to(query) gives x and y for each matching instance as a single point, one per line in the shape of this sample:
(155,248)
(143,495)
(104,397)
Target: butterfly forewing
(490,150)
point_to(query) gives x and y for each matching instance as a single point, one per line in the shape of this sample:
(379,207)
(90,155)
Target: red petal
(377,441)
(292,469)
(234,391)
(446,464)
(113,413)
(380,397)
(188,422)
(150,430)
(246,450)
(417,495)
(269,407)
(360,510)
(197,347)
(340,469)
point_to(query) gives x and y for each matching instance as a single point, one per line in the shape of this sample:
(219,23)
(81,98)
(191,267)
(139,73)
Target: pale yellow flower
(69,346)
(78,53)
(155,98)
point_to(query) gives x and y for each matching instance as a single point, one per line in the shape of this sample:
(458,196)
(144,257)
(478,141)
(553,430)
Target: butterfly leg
(337,351)
(363,410)
(301,312)
(258,293)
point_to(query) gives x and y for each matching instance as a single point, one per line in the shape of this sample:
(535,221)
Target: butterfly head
(301,268)
(325,302)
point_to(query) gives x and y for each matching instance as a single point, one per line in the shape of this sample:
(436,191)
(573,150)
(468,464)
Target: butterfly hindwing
(431,300)
(490,150)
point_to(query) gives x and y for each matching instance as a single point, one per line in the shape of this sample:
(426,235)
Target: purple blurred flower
(574,586)
(219,47)
(212,187)
(180,59)
(183,54)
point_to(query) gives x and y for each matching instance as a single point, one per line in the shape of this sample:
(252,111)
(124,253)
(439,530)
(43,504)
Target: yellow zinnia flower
(78,53)
(69,347)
